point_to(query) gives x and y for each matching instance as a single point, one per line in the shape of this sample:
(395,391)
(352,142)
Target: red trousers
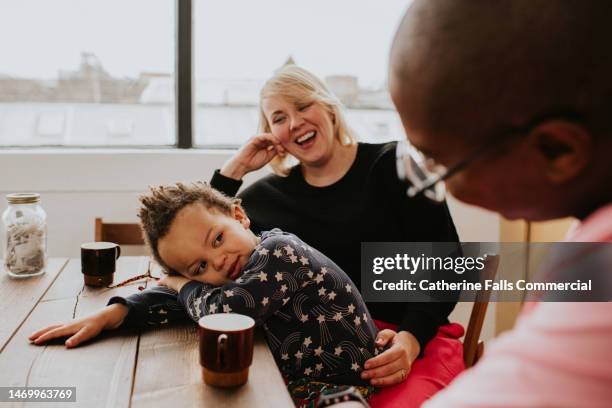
(441,362)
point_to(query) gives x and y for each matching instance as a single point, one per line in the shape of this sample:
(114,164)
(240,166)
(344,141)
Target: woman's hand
(253,155)
(173,282)
(393,365)
(83,329)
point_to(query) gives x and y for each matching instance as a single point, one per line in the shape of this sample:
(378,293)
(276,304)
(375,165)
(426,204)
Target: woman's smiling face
(305,129)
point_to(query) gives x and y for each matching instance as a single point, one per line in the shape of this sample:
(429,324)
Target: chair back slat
(472,346)
(119,233)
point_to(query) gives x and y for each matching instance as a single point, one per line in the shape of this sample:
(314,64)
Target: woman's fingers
(258,144)
(389,367)
(383,371)
(394,353)
(253,155)
(271,145)
(268,139)
(37,333)
(277,149)
(392,379)
(265,139)
(384,337)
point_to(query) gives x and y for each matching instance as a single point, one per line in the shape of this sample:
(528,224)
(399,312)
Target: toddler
(314,319)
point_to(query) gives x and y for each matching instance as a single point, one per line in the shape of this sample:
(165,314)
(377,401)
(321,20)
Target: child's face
(207,245)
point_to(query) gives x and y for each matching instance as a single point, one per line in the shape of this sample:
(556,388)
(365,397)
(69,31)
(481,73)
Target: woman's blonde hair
(301,87)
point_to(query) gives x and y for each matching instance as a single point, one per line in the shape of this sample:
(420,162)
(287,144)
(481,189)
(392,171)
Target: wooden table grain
(153,368)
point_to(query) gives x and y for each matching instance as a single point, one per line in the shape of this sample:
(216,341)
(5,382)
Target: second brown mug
(226,348)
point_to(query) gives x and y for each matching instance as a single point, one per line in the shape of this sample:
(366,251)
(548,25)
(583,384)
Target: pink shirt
(557,355)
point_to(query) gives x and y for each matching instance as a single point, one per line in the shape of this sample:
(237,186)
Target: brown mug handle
(221,345)
(118,248)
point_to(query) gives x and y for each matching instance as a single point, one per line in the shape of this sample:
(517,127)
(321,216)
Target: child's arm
(82,329)
(174,282)
(153,307)
(271,278)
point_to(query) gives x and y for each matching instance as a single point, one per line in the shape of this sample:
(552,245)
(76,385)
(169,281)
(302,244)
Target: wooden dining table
(157,367)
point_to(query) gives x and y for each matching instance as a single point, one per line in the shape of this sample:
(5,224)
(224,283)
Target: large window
(102,73)
(86,73)
(240,43)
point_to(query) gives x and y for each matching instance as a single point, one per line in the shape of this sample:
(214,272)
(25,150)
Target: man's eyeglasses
(427,177)
(424,174)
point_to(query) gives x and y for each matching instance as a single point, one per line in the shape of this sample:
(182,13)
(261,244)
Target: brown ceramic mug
(226,348)
(98,260)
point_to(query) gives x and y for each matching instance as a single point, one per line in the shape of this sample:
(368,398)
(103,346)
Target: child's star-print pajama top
(314,319)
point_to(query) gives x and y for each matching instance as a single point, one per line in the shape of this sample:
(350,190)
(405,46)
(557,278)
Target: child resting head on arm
(314,319)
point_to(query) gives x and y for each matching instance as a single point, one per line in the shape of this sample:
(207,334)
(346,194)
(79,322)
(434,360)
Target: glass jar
(25,226)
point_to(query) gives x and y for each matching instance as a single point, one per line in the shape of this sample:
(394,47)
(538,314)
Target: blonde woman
(300,116)
(335,193)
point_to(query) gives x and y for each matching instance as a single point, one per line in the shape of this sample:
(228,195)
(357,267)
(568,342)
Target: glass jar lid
(23,198)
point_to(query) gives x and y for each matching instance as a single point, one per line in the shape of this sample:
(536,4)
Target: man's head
(197,231)
(531,79)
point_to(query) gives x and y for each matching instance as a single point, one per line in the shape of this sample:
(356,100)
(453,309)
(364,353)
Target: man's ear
(564,149)
(240,216)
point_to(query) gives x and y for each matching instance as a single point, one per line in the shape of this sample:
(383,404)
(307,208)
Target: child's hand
(83,329)
(173,282)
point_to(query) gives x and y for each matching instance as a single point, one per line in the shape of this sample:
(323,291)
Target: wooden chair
(119,233)
(473,348)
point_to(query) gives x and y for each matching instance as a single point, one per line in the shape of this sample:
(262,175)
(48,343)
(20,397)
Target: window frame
(184,74)
(184,96)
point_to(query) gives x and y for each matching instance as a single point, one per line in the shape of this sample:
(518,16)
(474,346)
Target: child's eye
(218,240)
(201,267)
(277,120)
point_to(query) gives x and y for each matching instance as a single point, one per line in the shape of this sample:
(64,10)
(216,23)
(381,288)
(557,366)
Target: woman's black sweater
(369,204)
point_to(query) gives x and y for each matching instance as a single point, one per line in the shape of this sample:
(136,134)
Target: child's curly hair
(161,204)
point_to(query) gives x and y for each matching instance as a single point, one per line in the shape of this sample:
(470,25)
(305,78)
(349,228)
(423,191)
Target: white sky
(233,39)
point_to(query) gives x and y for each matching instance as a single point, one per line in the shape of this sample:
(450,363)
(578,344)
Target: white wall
(78,185)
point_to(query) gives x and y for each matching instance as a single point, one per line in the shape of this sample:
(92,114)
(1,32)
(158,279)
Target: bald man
(515,97)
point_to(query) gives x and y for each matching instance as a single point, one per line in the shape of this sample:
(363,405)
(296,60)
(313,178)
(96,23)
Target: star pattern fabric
(315,321)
